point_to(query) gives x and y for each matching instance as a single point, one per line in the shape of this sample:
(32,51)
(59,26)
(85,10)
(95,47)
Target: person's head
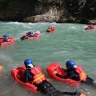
(50,26)
(30,33)
(70,64)
(5,36)
(28,63)
(90,24)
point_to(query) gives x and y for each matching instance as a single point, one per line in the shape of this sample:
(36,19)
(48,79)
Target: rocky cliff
(75,11)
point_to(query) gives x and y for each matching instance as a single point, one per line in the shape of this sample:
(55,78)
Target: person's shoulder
(26,70)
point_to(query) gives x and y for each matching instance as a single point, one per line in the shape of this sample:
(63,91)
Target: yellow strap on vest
(39,78)
(83,75)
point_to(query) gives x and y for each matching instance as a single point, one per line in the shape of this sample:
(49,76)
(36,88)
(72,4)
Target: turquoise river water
(69,42)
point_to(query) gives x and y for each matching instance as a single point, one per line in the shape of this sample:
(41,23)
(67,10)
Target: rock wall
(75,11)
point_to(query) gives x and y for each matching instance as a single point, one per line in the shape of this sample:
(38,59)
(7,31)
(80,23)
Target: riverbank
(50,19)
(57,19)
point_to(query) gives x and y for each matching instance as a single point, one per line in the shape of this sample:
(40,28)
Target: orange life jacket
(90,27)
(52,28)
(49,29)
(81,73)
(38,75)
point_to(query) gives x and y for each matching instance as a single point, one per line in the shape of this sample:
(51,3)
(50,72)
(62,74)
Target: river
(69,42)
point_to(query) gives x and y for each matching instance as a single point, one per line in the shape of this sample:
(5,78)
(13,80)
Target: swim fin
(82,94)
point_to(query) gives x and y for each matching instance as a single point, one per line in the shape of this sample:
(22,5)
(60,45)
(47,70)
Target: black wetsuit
(72,74)
(4,40)
(46,88)
(28,75)
(49,90)
(26,37)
